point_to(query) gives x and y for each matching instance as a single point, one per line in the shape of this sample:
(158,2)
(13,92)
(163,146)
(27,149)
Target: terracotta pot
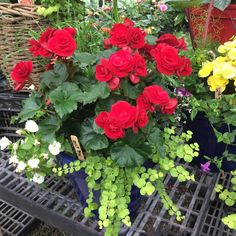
(222,24)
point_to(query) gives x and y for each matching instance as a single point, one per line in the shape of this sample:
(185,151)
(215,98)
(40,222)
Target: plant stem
(115,10)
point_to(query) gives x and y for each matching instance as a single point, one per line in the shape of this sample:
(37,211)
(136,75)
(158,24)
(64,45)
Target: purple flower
(163,7)
(182,92)
(205,167)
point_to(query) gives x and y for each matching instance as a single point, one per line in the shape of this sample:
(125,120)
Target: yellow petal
(232,54)
(206,69)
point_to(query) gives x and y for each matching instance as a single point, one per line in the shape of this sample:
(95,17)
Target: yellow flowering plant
(212,86)
(222,69)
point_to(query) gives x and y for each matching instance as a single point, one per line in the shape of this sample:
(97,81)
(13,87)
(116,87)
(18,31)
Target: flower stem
(115,10)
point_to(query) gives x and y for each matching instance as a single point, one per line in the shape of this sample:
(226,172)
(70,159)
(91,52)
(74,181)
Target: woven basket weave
(16,21)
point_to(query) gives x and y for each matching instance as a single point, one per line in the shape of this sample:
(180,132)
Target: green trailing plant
(115,182)
(229,197)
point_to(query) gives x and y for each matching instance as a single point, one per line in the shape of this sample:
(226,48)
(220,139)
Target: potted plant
(214,20)
(116,117)
(213,105)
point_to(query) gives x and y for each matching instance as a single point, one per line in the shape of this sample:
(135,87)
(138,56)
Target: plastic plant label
(77,147)
(218,93)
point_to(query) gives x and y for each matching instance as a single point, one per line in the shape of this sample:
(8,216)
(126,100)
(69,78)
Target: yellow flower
(216,81)
(232,54)
(222,49)
(219,60)
(206,69)
(225,69)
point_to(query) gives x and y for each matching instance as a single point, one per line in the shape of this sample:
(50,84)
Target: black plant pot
(78,181)
(204,135)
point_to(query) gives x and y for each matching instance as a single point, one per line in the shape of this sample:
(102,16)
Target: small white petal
(15,146)
(54,148)
(38,178)
(13,159)
(20,167)
(31,87)
(31,126)
(36,142)
(4,142)
(33,163)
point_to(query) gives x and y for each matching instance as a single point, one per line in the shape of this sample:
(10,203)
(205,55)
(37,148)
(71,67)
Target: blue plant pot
(204,135)
(78,181)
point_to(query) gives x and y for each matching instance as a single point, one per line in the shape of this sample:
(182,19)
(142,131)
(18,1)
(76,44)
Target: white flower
(45,156)
(36,142)
(31,87)
(33,163)
(20,167)
(54,148)
(51,162)
(38,178)
(4,142)
(20,131)
(31,126)
(22,141)
(13,159)
(15,146)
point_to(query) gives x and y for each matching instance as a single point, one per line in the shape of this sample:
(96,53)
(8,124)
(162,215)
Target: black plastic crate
(192,198)
(13,222)
(57,205)
(213,225)
(10,104)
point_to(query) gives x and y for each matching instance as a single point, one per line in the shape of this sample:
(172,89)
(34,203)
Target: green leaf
(91,140)
(220,4)
(48,128)
(31,106)
(151,39)
(105,53)
(155,137)
(130,154)
(65,98)
(105,104)
(99,90)
(85,58)
(130,90)
(53,78)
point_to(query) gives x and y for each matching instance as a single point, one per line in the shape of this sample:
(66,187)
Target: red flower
(103,72)
(101,119)
(136,37)
(134,79)
(167,59)
(139,65)
(124,114)
(121,63)
(156,95)
(128,22)
(114,83)
(146,50)
(119,35)
(112,130)
(169,108)
(62,43)
(21,71)
(49,66)
(144,103)
(184,67)
(171,40)
(34,47)
(142,118)
(46,35)
(71,30)
(107,43)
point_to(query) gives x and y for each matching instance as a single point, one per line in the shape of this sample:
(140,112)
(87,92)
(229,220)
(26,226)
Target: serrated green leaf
(99,90)
(130,90)
(128,155)
(85,58)
(65,98)
(31,105)
(151,39)
(53,78)
(91,140)
(48,128)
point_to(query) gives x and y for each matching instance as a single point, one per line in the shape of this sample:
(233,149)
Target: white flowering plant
(42,158)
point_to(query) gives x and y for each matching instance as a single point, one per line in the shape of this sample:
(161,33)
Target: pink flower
(205,167)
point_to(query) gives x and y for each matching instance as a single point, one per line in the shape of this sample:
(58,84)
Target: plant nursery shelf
(57,204)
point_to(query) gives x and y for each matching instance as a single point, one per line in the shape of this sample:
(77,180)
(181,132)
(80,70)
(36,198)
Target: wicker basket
(16,21)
